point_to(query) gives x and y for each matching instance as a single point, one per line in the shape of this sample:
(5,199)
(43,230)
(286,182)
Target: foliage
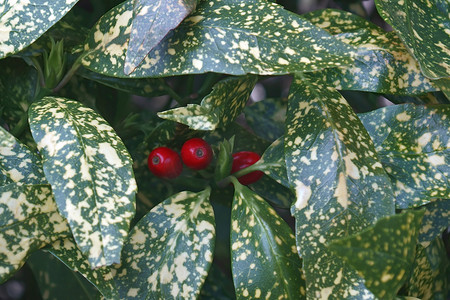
(354,200)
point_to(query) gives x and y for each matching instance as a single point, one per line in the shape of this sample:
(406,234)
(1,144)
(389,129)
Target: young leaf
(429,279)
(382,65)
(219,108)
(341,187)
(223,36)
(22,22)
(265,262)
(413,144)
(274,156)
(90,172)
(152,20)
(224,159)
(170,250)
(383,253)
(29,220)
(435,221)
(427,38)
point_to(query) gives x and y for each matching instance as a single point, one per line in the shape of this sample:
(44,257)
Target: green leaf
(341,187)
(22,22)
(224,36)
(90,172)
(170,250)
(429,279)
(424,28)
(56,281)
(17,163)
(277,194)
(266,118)
(274,159)
(219,108)
(383,253)
(382,65)
(218,286)
(224,161)
(444,86)
(435,221)
(264,262)
(413,144)
(29,220)
(152,21)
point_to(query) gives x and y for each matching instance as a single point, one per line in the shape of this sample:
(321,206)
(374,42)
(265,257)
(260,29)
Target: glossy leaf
(219,108)
(275,162)
(225,36)
(22,22)
(413,144)
(266,118)
(429,278)
(29,220)
(152,20)
(170,250)
(273,192)
(17,163)
(341,187)
(382,65)
(262,241)
(435,220)
(90,172)
(427,38)
(384,253)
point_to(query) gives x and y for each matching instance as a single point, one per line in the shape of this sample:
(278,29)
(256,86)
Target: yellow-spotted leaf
(383,253)
(424,28)
(152,21)
(219,108)
(413,143)
(341,187)
(23,21)
(429,278)
(435,220)
(17,163)
(273,159)
(382,65)
(265,262)
(222,36)
(29,220)
(90,172)
(170,250)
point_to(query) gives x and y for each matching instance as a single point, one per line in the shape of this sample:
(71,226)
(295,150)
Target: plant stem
(255,167)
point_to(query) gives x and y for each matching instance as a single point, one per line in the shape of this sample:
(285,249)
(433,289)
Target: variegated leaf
(277,194)
(17,163)
(29,220)
(341,187)
(435,221)
(429,278)
(265,262)
(90,172)
(383,64)
(266,118)
(219,108)
(152,21)
(413,143)
(424,28)
(444,85)
(273,157)
(223,36)
(170,250)
(383,253)
(23,21)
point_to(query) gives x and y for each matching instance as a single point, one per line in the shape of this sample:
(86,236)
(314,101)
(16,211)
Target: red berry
(242,160)
(196,153)
(165,163)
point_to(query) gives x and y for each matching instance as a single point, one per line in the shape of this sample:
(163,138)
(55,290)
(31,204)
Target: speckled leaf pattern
(384,253)
(429,278)
(424,28)
(341,187)
(170,250)
(90,172)
(67,251)
(152,20)
(29,220)
(383,64)
(273,192)
(413,143)
(444,85)
(266,118)
(23,21)
(17,163)
(435,220)
(219,108)
(274,157)
(224,36)
(265,263)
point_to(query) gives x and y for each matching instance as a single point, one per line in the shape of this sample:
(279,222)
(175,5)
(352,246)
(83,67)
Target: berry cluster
(197,154)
